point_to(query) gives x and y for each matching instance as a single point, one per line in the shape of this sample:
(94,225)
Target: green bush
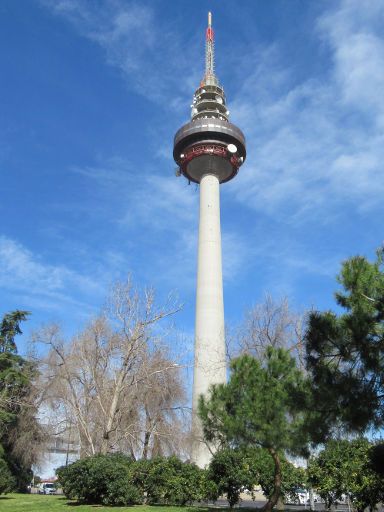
(117,480)
(232,471)
(102,479)
(7,481)
(172,482)
(292,478)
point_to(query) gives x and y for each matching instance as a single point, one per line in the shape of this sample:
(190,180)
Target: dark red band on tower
(209,34)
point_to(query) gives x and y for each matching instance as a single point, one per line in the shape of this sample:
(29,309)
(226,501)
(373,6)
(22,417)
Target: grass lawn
(42,503)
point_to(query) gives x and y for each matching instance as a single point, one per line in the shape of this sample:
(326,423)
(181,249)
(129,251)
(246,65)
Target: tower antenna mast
(210,53)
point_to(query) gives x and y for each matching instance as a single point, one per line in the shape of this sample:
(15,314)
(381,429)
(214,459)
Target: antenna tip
(209,19)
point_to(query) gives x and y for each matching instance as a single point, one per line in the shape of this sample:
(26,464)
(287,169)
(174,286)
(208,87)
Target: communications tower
(208,150)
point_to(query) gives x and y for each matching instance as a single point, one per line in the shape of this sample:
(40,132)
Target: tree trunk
(276,482)
(311,500)
(147,437)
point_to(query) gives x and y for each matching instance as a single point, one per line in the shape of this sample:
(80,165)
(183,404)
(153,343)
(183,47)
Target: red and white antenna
(209,52)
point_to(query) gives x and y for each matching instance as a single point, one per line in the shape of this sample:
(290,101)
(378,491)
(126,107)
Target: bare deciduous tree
(114,382)
(271,323)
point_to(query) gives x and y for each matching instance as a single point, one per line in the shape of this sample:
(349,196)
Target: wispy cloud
(26,274)
(146,51)
(155,201)
(317,145)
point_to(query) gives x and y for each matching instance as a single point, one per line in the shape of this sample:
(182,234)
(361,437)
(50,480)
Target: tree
(377,458)
(292,478)
(343,468)
(7,481)
(9,328)
(114,382)
(271,323)
(261,406)
(160,398)
(345,352)
(233,470)
(20,434)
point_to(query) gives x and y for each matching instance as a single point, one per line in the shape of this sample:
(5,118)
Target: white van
(47,488)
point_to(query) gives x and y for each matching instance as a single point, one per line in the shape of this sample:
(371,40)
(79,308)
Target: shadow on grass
(7,498)
(72,503)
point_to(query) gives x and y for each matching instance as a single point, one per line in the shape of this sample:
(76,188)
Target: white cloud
(145,50)
(318,145)
(26,274)
(150,201)
(354,32)
(237,252)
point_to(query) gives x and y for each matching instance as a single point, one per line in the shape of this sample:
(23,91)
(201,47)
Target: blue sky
(92,93)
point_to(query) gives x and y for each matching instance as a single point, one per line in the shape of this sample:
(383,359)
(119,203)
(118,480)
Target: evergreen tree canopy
(19,430)
(345,352)
(377,458)
(15,375)
(9,328)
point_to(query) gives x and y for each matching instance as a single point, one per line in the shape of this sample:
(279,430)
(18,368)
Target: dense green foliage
(7,482)
(234,470)
(9,328)
(292,478)
(345,353)
(14,370)
(19,430)
(261,406)
(103,479)
(343,468)
(172,482)
(118,480)
(376,456)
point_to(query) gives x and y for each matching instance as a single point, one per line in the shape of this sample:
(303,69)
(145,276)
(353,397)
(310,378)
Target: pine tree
(345,352)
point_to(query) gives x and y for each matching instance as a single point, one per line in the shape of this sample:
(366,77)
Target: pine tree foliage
(9,328)
(345,352)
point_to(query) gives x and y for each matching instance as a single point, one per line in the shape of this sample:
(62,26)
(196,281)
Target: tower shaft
(210,364)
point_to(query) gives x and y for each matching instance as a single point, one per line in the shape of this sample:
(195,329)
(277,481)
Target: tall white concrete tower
(208,150)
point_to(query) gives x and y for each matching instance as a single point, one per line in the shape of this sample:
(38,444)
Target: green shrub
(172,482)
(122,492)
(117,480)
(232,471)
(102,479)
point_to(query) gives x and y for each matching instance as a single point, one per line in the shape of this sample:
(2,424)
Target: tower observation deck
(208,150)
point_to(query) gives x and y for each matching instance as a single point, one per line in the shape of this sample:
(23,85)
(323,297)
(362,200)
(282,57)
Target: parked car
(47,488)
(302,496)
